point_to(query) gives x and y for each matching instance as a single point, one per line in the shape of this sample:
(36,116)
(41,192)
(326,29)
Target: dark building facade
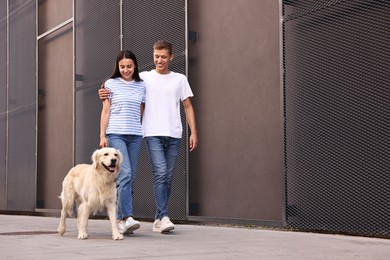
(291,100)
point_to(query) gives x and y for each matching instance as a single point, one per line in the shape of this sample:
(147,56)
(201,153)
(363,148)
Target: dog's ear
(94,158)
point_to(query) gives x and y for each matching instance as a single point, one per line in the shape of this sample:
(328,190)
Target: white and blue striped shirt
(125,113)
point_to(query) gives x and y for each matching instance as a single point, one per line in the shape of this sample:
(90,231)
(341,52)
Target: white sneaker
(166,225)
(157,225)
(128,226)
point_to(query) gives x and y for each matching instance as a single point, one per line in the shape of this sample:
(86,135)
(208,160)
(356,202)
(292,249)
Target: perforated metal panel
(145,22)
(337,115)
(97,42)
(98,29)
(21,107)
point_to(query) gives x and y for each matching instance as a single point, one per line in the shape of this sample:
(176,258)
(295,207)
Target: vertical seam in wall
(282,112)
(74,84)
(121,23)
(36,101)
(187,160)
(7,114)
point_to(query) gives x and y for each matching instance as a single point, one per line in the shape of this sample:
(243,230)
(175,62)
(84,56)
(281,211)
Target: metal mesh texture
(97,43)
(18,108)
(337,115)
(145,22)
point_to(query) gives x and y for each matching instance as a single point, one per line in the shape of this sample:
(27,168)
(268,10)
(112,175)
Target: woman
(120,127)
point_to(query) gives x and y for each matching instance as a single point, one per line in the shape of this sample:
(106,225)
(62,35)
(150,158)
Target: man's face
(162,58)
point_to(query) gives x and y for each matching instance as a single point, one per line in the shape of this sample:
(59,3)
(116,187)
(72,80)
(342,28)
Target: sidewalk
(31,237)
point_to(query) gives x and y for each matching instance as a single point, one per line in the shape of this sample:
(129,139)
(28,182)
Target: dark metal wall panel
(97,42)
(21,123)
(337,115)
(145,22)
(3,102)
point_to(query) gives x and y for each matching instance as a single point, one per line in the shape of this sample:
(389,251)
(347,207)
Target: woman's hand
(103,142)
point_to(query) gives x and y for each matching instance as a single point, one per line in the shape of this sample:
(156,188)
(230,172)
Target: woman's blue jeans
(163,153)
(130,147)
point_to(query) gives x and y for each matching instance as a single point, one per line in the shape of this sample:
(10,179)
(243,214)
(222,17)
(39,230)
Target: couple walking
(153,97)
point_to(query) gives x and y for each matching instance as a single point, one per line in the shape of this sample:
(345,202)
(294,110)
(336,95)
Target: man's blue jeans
(163,153)
(130,147)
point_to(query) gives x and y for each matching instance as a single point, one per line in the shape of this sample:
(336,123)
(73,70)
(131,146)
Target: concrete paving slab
(32,237)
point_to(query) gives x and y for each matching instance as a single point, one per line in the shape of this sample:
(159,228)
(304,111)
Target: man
(162,128)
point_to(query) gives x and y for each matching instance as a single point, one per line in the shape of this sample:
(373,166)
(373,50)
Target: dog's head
(108,158)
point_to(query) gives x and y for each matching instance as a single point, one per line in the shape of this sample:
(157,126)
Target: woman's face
(126,68)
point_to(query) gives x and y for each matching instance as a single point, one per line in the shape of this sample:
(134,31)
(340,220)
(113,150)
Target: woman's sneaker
(128,226)
(157,225)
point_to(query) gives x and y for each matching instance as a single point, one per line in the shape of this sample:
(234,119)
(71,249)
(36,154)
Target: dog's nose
(113,160)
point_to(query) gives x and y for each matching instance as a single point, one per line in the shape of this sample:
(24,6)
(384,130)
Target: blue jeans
(163,153)
(130,147)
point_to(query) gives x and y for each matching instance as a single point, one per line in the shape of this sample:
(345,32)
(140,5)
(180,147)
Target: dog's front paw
(82,235)
(61,230)
(117,236)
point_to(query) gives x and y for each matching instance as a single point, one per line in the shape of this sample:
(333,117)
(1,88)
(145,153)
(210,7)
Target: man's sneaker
(128,226)
(157,225)
(166,225)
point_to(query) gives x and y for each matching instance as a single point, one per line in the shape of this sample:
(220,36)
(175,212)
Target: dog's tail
(68,202)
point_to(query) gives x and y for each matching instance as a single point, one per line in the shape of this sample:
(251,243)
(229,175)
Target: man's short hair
(162,44)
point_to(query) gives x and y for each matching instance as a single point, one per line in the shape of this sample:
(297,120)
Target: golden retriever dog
(92,188)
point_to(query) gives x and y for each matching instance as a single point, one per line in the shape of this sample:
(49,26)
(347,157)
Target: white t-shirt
(164,92)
